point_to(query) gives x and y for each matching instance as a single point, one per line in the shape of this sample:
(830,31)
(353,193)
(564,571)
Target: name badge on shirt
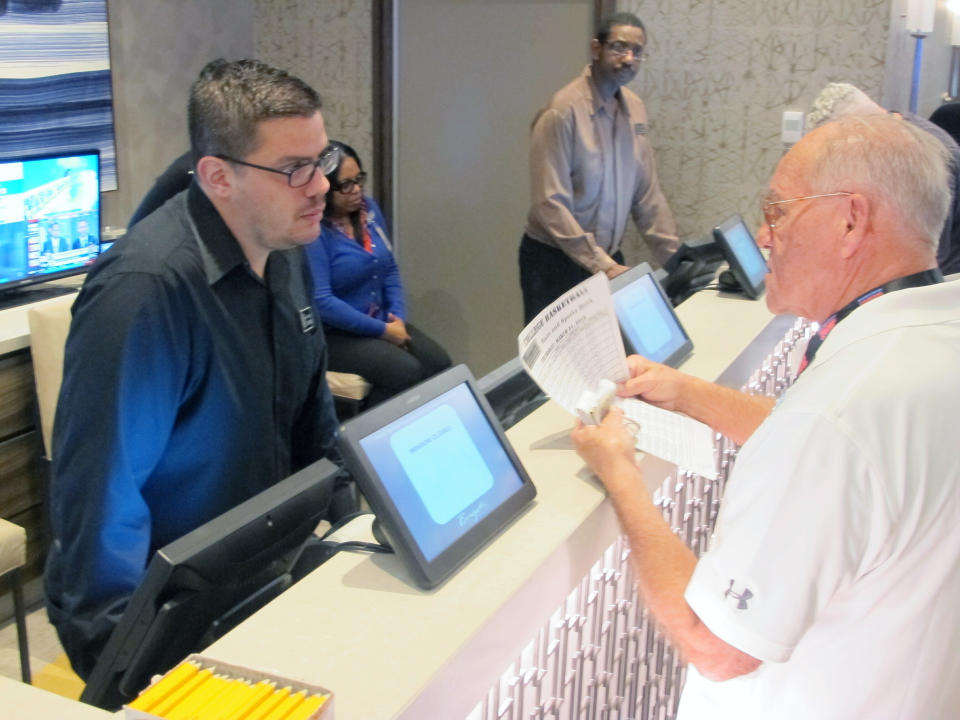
(640,128)
(308,323)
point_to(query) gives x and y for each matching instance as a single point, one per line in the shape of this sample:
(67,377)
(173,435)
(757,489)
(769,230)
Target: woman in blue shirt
(359,294)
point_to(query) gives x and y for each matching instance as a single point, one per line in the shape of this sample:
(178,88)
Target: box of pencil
(199,688)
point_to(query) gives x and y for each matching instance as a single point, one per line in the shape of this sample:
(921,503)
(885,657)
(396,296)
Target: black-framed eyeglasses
(772,212)
(349,184)
(622,49)
(299,175)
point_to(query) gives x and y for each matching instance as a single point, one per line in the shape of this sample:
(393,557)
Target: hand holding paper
(574,351)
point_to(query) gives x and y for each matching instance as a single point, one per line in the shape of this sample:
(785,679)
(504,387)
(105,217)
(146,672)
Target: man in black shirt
(194,369)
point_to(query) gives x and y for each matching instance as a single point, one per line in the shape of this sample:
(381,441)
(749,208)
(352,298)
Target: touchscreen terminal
(438,472)
(647,321)
(743,256)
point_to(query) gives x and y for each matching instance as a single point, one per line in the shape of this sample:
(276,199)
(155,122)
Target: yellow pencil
(308,708)
(225,701)
(164,686)
(287,706)
(232,702)
(213,701)
(270,703)
(260,693)
(175,698)
(188,707)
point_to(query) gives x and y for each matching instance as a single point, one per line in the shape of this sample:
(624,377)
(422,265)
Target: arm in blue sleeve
(392,284)
(123,376)
(334,311)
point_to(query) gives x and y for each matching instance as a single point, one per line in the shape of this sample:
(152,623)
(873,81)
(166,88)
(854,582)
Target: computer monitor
(49,222)
(747,264)
(438,471)
(647,321)
(511,392)
(200,586)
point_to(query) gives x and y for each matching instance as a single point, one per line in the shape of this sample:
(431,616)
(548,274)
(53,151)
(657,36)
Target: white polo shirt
(836,558)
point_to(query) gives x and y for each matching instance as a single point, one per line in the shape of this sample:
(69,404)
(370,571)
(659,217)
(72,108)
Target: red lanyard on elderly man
(927,277)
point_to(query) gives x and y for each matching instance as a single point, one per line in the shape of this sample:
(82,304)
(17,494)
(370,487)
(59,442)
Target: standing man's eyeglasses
(772,214)
(622,49)
(299,175)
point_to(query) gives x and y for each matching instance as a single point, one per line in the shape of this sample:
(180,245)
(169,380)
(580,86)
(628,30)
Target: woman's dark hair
(345,151)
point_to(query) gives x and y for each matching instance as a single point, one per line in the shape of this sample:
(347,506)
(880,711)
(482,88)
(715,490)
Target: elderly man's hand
(658,384)
(606,446)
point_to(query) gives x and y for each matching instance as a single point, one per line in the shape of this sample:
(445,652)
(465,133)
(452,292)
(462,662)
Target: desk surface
(26,702)
(359,626)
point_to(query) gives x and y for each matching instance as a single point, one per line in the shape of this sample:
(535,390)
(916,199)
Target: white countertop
(359,625)
(26,702)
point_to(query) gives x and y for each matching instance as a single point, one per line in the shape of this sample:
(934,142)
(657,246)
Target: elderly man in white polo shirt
(831,586)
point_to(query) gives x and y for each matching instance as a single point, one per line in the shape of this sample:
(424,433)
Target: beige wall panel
(157,48)
(471,74)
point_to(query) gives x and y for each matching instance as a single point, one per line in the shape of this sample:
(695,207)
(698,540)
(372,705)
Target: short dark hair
(230,98)
(609,21)
(332,176)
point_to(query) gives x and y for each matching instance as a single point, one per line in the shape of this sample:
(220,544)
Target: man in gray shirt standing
(591,165)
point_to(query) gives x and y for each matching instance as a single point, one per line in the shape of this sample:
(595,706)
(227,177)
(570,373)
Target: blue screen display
(647,320)
(49,215)
(443,467)
(747,252)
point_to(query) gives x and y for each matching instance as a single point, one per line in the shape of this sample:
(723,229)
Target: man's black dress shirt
(189,385)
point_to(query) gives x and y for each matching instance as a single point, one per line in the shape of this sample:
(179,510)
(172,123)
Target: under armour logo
(741,597)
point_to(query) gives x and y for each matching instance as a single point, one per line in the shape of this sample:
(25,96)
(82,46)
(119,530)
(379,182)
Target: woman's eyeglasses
(349,184)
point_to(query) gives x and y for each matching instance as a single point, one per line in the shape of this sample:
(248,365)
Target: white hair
(838,100)
(892,161)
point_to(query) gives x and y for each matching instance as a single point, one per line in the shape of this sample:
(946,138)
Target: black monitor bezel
(11,286)
(720,232)
(267,532)
(429,573)
(635,274)
(511,392)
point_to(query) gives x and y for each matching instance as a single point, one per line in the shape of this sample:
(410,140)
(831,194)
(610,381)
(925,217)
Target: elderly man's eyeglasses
(349,184)
(622,49)
(299,175)
(772,212)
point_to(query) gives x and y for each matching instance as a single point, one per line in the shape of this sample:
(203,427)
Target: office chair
(349,392)
(49,325)
(13,556)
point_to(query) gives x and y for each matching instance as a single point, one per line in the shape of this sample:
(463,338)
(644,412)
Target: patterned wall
(720,74)
(328,44)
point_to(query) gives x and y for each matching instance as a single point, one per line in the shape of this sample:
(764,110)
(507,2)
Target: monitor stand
(727,282)
(25,296)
